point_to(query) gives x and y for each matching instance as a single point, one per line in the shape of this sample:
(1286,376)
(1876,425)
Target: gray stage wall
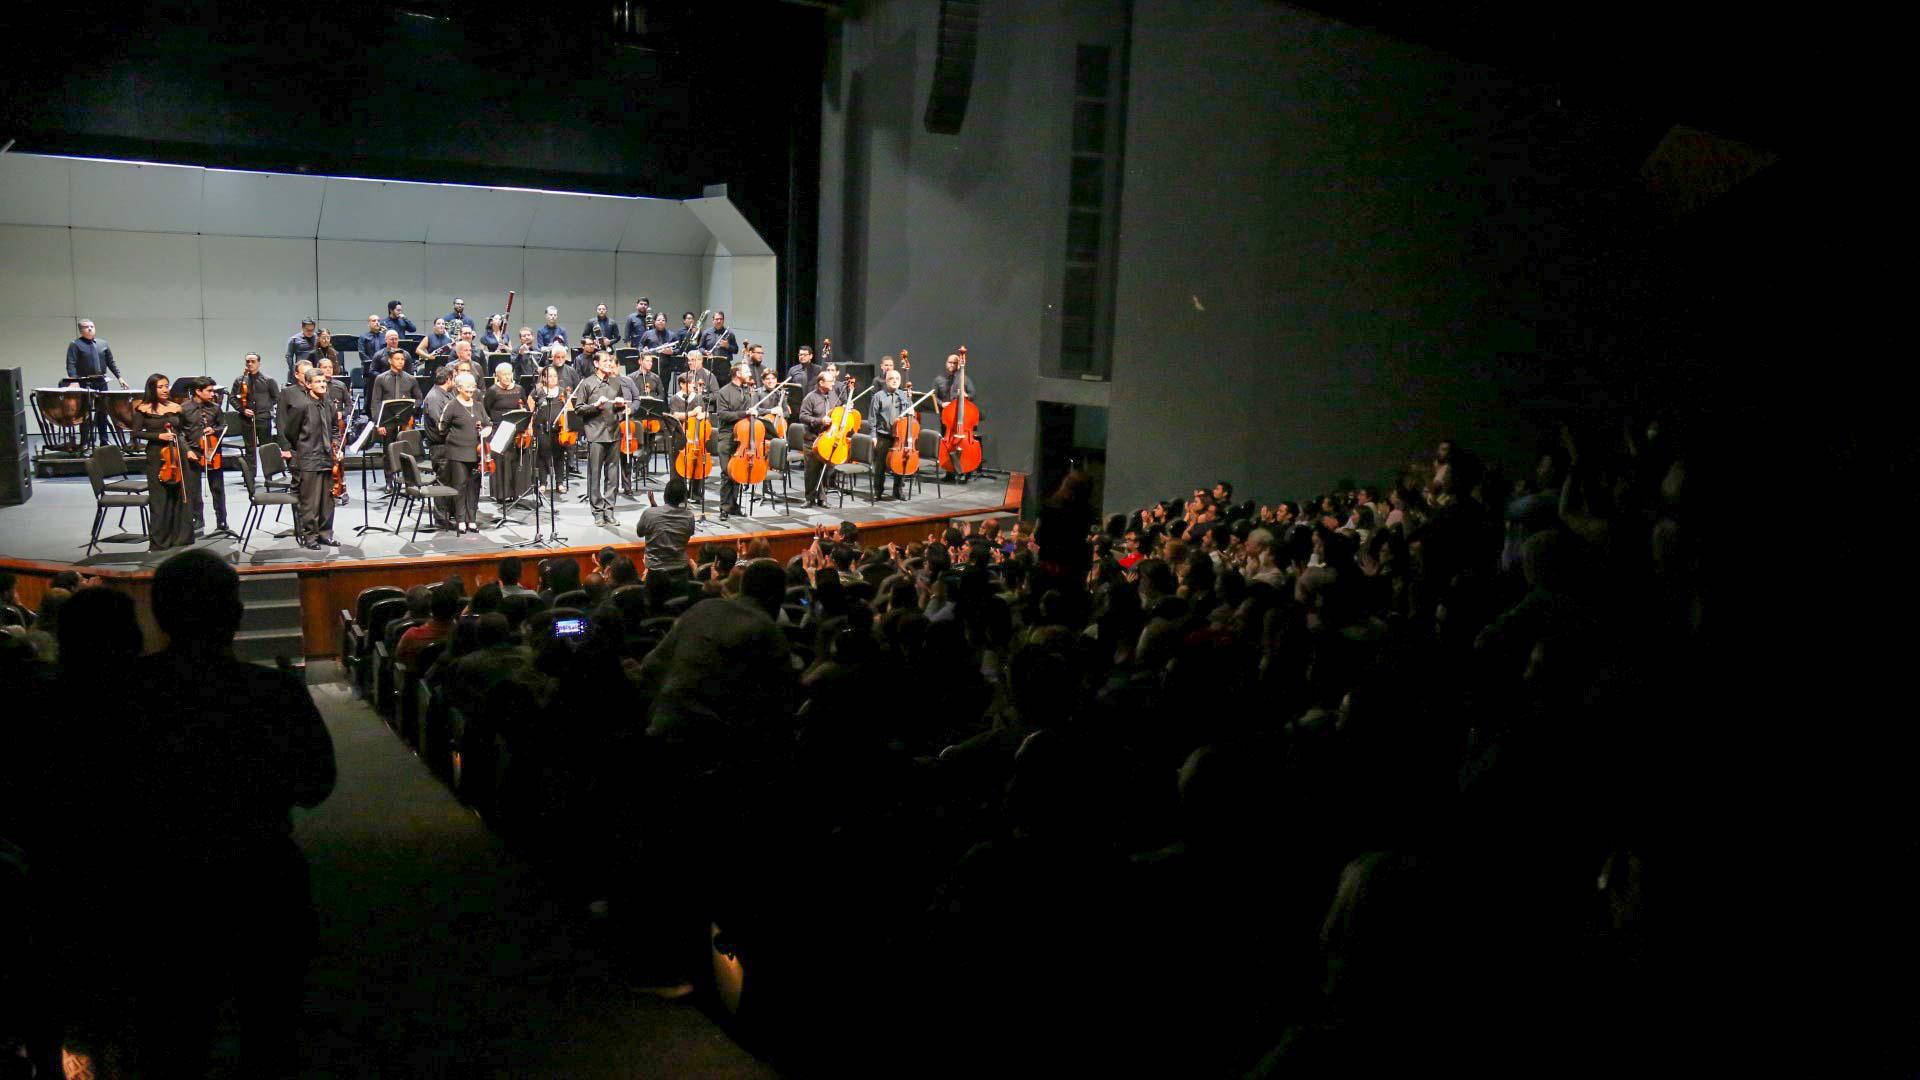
(1374,230)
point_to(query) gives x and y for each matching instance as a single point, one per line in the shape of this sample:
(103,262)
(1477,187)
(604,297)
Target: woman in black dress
(503,396)
(461,425)
(169,521)
(549,401)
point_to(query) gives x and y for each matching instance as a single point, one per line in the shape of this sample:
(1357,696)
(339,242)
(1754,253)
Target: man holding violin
(204,421)
(308,427)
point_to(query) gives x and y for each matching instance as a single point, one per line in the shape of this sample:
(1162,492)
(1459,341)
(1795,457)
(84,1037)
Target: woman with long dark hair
(169,522)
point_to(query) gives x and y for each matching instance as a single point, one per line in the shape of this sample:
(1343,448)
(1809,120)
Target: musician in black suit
(639,322)
(645,385)
(600,326)
(730,405)
(393,384)
(719,343)
(601,402)
(308,433)
(200,416)
(462,424)
(815,409)
(510,466)
(254,397)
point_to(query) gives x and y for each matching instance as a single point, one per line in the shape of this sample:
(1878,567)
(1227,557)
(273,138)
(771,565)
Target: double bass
(959,442)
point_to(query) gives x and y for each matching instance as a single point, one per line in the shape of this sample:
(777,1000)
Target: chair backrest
(382,613)
(929,444)
(394,449)
(97,472)
(861,450)
(414,441)
(428,654)
(410,471)
(270,466)
(246,474)
(363,604)
(112,460)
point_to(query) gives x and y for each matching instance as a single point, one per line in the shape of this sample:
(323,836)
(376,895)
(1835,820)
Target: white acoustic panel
(716,285)
(142,197)
(755,296)
(36,270)
(125,276)
(479,275)
(573,281)
(724,221)
(377,210)
(37,345)
(578,222)
(174,347)
(663,226)
(228,341)
(359,277)
(260,204)
(471,215)
(672,282)
(34,189)
(249,277)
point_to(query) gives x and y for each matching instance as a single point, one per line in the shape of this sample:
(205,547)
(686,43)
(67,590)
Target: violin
(836,442)
(567,436)
(210,445)
(959,442)
(693,461)
(486,455)
(904,458)
(170,462)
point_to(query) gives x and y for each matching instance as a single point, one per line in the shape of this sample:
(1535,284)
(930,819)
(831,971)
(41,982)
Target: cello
(836,442)
(904,458)
(693,462)
(959,443)
(340,460)
(750,460)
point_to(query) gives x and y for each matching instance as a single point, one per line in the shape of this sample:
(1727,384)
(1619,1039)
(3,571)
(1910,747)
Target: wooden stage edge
(328,587)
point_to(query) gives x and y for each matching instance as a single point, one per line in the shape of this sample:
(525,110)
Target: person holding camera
(665,531)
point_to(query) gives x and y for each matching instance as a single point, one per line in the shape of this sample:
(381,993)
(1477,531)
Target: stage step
(270,619)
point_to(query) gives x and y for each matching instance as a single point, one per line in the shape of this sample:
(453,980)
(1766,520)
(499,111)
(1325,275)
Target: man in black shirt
(372,348)
(639,322)
(665,531)
(88,362)
(601,401)
(201,415)
(394,384)
(601,327)
(308,430)
(397,320)
(730,405)
(300,345)
(459,314)
(255,397)
(707,382)
(890,403)
(658,341)
(814,411)
(645,385)
(719,343)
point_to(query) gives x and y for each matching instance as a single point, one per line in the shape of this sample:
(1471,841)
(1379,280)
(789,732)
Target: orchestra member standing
(602,328)
(437,343)
(372,348)
(773,399)
(890,403)
(549,401)
(462,424)
(814,412)
(509,469)
(169,521)
(719,343)
(432,405)
(658,341)
(88,362)
(528,357)
(552,333)
(397,320)
(323,349)
(946,387)
(731,404)
(394,384)
(690,402)
(645,385)
(601,401)
(202,414)
(639,322)
(300,345)
(697,367)
(308,429)
(458,314)
(260,394)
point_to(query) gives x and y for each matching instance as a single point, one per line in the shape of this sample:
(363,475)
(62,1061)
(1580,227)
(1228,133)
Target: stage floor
(52,526)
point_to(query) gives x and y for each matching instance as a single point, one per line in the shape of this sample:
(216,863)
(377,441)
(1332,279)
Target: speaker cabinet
(16,471)
(956,47)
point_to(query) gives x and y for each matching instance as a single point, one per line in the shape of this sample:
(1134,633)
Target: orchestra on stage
(509,418)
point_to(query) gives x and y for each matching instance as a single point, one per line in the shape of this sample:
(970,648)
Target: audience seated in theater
(442,609)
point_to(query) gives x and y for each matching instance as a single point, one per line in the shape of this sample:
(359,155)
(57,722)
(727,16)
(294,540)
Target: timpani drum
(119,405)
(62,410)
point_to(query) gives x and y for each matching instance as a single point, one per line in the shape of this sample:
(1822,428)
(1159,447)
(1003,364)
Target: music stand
(393,414)
(521,419)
